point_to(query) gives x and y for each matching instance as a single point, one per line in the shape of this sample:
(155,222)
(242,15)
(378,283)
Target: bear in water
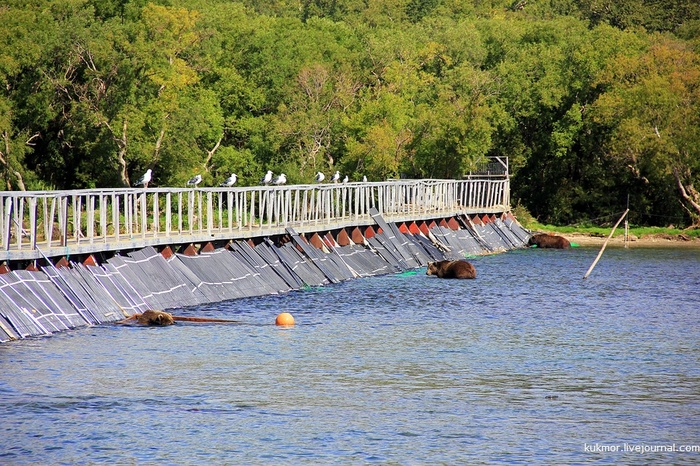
(451,269)
(543,240)
(151,317)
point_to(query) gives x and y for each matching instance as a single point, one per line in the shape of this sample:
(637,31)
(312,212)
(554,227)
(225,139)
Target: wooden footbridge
(58,224)
(79,258)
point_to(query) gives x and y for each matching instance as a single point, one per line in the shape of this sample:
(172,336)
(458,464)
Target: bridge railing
(59,219)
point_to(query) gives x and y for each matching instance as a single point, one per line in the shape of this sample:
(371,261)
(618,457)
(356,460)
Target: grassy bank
(529,222)
(639,232)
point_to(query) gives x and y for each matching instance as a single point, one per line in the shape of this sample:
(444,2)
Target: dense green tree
(589,105)
(653,110)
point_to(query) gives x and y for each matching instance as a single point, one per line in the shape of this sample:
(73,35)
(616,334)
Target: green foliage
(591,106)
(604,232)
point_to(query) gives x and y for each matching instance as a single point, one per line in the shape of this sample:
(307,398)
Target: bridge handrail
(49,219)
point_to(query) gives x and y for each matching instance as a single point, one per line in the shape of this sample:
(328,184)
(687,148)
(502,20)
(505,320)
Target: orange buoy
(284,319)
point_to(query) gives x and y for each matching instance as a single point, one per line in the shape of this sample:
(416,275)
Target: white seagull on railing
(195,181)
(319,177)
(145,179)
(267,178)
(345,180)
(230,181)
(364,178)
(336,177)
(281,179)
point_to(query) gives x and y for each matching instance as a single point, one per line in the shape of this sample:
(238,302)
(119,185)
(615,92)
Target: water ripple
(524,365)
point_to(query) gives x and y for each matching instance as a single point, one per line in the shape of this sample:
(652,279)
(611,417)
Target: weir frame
(42,224)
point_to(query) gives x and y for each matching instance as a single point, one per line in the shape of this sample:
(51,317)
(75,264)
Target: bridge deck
(34,225)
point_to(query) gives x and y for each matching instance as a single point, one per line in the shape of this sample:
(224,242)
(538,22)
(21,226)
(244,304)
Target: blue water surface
(527,364)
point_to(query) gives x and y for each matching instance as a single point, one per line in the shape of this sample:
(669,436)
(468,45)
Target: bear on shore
(451,269)
(151,317)
(543,240)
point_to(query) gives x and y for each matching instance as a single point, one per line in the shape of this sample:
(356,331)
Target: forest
(596,103)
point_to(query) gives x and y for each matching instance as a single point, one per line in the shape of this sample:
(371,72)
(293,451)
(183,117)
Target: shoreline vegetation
(590,235)
(637,237)
(592,107)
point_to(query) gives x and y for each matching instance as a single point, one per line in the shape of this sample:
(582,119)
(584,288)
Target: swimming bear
(451,269)
(151,317)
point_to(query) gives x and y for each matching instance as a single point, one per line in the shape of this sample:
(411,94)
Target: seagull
(145,179)
(267,178)
(230,181)
(336,177)
(319,177)
(282,179)
(345,180)
(364,178)
(195,181)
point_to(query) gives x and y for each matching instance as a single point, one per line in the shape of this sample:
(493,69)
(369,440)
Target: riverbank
(649,241)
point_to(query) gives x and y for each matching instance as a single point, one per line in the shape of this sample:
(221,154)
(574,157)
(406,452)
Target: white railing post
(32,222)
(90,214)
(168,213)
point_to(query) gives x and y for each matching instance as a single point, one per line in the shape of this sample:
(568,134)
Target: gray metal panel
(255,261)
(119,289)
(364,261)
(391,243)
(271,255)
(508,236)
(77,299)
(7,332)
(96,296)
(468,243)
(203,275)
(312,253)
(160,285)
(445,236)
(518,231)
(431,251)
(13,312)
(51,302)
(490,235)
(379,247)
(306,270)
(34,310)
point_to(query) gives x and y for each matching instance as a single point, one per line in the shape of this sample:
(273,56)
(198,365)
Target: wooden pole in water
(627,224)
(590,269)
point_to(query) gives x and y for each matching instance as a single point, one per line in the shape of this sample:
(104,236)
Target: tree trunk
(5,161)
(210,153)
(689,195)
(121,157)
(159,143)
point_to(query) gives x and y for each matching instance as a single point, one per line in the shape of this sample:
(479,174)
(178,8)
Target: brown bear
(543,240)
(451,269)
(151,317)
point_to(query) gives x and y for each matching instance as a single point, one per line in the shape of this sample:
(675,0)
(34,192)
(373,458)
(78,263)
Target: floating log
(161,318)
(205,320)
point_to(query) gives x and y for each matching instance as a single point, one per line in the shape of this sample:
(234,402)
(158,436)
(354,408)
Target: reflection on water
(528,363)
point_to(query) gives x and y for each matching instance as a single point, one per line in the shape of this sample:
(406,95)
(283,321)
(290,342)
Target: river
(527,364)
